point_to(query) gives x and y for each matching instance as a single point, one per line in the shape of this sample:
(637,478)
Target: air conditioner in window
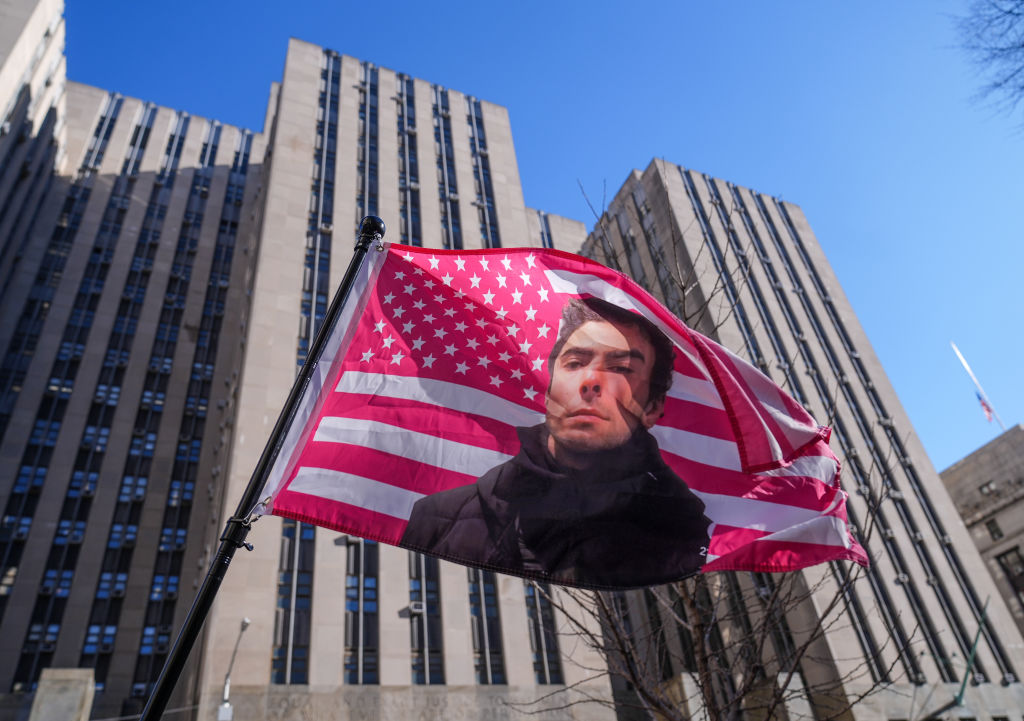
(106,648)
(417,607)
(47,647)
(117,592)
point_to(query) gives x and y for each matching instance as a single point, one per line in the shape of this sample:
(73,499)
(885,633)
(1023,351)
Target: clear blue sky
(861,113)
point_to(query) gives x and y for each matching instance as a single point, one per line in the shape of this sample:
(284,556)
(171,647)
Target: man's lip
(585,412)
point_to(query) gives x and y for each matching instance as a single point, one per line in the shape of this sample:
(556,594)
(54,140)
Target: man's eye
(621,369)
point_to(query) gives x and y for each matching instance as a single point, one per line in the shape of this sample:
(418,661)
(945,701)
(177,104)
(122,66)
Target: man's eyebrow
(585,353)
(577,351)
(631,353)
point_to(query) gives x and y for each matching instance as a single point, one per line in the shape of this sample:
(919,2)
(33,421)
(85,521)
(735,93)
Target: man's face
(600,384)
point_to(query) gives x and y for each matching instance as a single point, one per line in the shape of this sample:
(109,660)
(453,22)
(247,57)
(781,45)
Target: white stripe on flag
(356,491)
(821,467)
(695,390)
(824,530)
(702,449)
(416,446)
(453,396)
(772,518)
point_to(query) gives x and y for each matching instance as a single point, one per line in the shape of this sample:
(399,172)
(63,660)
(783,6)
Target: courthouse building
(161,278)
(987,488)
(746,269)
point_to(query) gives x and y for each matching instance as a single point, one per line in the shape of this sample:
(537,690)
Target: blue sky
(864,114)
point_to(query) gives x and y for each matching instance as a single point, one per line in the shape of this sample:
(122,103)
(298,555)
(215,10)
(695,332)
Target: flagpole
(371,230)
(981,391)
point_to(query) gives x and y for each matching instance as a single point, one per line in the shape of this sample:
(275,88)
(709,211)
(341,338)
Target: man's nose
(590,384)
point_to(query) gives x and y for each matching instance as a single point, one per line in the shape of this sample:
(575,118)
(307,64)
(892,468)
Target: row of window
(21,503)
(361,653)
(122,536)
(290,656)
(164,585)
(74,514)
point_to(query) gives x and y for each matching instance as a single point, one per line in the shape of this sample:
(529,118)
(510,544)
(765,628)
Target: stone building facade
(987,488)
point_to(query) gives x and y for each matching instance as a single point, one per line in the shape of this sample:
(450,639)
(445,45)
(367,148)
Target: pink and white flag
(440,356)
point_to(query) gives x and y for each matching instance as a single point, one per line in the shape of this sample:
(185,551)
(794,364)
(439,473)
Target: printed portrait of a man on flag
(588,497)
(536,413)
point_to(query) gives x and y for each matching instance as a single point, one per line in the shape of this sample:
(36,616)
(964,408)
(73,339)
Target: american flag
(985,406)
(440,355)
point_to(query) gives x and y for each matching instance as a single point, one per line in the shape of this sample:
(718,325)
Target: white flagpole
(981,391)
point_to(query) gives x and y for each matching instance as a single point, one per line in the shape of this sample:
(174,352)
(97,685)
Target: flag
(984,406)
(439,366)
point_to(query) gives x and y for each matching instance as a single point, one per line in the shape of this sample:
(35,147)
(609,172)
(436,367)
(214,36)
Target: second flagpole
(371,230)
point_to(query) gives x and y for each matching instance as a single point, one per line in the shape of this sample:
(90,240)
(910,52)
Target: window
(547,664)
(361,627)
(486,624)
(993,529)
(426,639)
(1012,563)
(290,662)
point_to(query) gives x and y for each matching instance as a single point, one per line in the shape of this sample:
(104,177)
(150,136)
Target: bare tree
(992,33)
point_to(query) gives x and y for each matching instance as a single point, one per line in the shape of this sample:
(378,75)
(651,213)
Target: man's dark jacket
(629,520)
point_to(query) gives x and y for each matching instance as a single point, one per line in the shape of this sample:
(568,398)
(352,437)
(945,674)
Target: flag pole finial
(371,228)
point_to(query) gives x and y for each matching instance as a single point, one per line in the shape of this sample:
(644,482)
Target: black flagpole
(371,229)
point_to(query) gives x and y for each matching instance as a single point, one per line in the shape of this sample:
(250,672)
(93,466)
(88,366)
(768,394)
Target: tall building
(120,324)
(339,624)
(987,488)
(746,269)
(32,118)
(163,277)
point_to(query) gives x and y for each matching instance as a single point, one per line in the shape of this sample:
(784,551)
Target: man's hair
(584,310)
